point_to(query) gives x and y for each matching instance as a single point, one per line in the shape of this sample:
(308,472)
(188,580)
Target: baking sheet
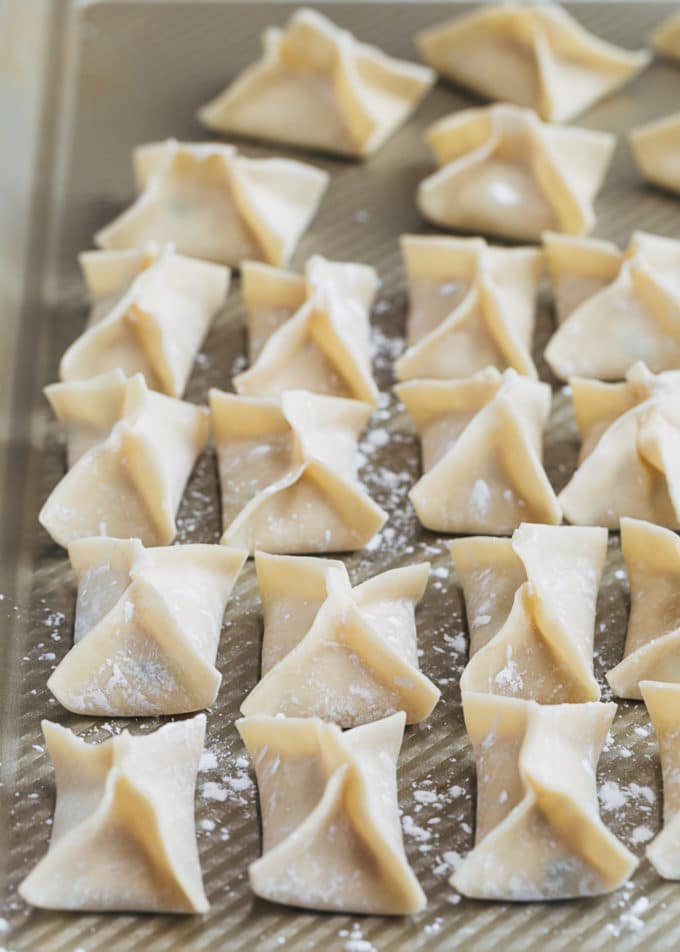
(116,74)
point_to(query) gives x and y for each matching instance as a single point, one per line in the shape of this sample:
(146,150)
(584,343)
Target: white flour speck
(213,791)
(641,834)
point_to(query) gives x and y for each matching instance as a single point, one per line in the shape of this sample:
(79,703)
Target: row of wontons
(331,832)
(317,87)
(287,457)
(138,447)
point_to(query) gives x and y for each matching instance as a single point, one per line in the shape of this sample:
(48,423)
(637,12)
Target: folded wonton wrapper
(537,56)
(151,310)
(630,454)
(288,473)
(652,652)
(147,627)
(346,655)
(215,204)
(471,306)
(130,454)
(655,147)
(530,605)
(663,704)
(481,449)
(317,87)
(123,838)
(310,333)
(331,834)
(506,173)
(665,38)
(614,307)
(539,835)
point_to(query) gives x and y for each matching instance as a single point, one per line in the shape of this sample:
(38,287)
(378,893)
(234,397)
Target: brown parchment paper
(115,74)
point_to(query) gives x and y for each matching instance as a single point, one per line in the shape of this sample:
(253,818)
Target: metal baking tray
(80,85)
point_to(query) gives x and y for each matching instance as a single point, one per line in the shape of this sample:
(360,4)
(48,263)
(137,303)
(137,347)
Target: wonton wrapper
(530,604)
(310,333)
(506,173)
(471,306)
(346,655)
(123,838)
(537,56)
(663,704)
(151,310)
(130,452)
(656,146)
(288,473)
(331,834)
(482,452)
(630,454)
(539,834)
(147,627)
(215,204)
(652,652)
(614,307)
(665,38)
(317,87)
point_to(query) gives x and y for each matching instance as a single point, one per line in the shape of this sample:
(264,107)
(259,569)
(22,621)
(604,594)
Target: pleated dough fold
(655,148)
(663,704)
(151,310)
(147,627)
(310,333)
(538,56)
(630,454)
(539,834)
(215,204)
(130,452)
(482,452)
(123,838)
(504,172)
(652,651)
(317,87)
(331,834)
(471,306)
(614,307)
(530,604)
(346,655)
(288,473)
(665,38)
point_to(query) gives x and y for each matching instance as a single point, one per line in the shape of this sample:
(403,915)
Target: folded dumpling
(346,655)
(536,56)
(663,704)
(471,306)
(123,838)
(539,835)
(309,333)
(318,87)
(655,147)
(614,307)
(530,604)
(630,453)
(147,627)
(130,454)
(481,444)
(579,268)
(215,204)
(151,310)
(504,172)
(665,38)
(288,473)
(652,652)
(331,833)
